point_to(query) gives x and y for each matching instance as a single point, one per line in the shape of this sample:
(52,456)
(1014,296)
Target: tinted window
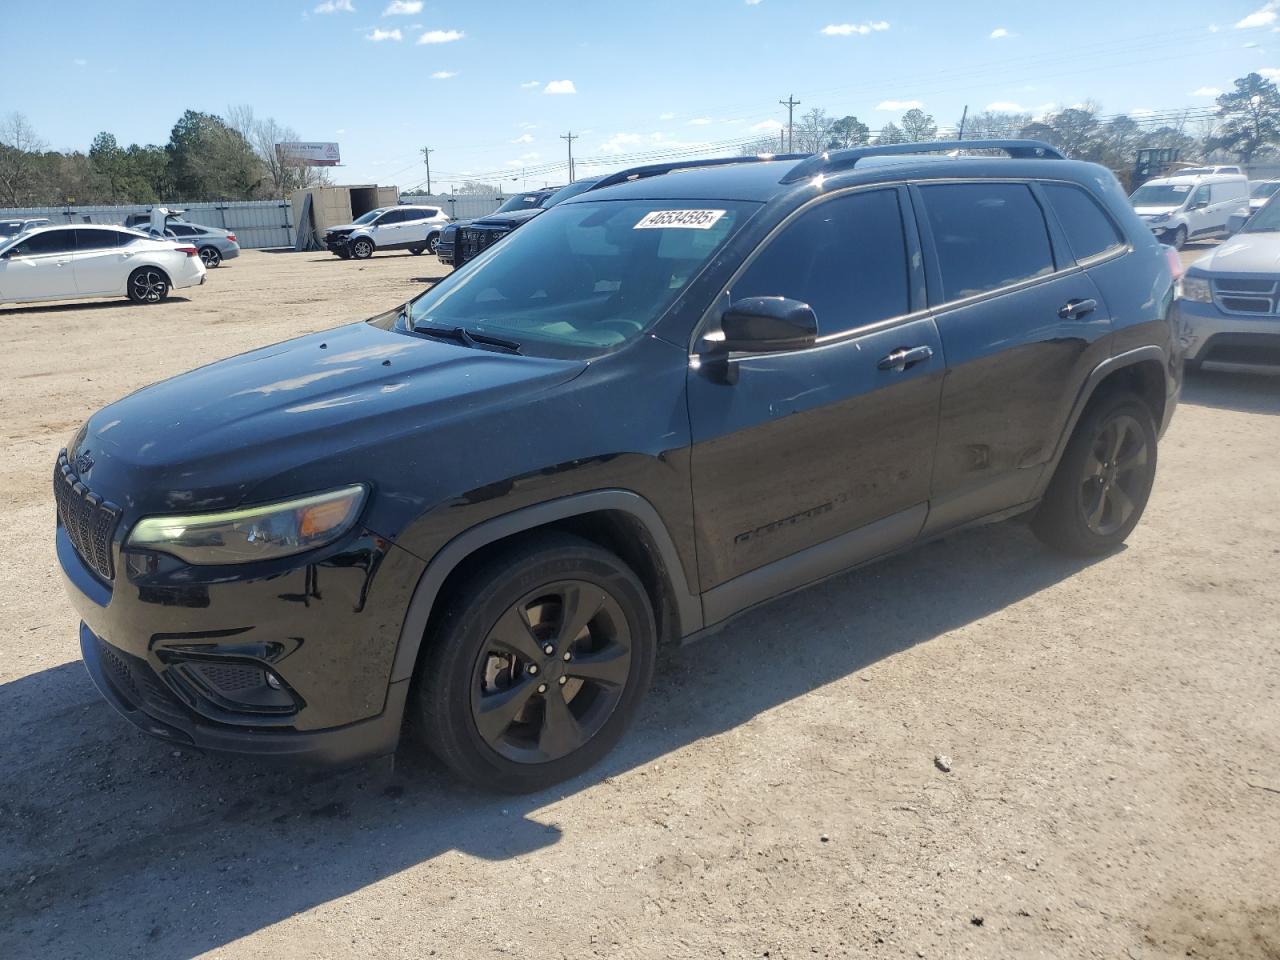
(846,258)
(987,235)
(1089,230)
(182,230)
(52,241)
(96,240)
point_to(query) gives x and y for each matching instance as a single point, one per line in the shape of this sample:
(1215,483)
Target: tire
(433,241)
(361,248)
(343,254)
(494,706)
(1192,366)
(1101,485)
(416,251)
(211,256)
(147,285)
(1179,238)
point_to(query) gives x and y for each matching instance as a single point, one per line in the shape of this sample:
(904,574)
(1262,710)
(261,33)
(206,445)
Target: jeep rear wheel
(537,665)
(1102,483)
(362,248)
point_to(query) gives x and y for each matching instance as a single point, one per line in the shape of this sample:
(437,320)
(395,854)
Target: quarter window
(846,258)
(1089,230)
(987,236)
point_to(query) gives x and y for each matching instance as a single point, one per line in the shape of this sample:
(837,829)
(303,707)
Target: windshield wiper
(465,337)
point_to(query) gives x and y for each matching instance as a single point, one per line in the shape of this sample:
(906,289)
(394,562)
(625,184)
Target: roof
(1198,178)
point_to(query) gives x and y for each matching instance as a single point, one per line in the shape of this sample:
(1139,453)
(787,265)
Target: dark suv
(659,404)
(460,242)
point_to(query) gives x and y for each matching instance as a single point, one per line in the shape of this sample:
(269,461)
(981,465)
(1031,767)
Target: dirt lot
(1114,729)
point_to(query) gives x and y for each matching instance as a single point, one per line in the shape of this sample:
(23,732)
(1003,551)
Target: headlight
(1194,288)
(254,533)
(1158,218)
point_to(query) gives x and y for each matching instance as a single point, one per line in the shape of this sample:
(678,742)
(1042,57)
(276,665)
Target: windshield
(1261,190)
(370,216)
(1160,194)
(9,228)
(1266,220)
(572,190)
(583,277)
(521,201)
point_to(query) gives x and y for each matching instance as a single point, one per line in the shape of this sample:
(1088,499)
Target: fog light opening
(273,681)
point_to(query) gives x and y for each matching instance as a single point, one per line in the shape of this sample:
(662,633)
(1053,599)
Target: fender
(527,518)
(1103,370)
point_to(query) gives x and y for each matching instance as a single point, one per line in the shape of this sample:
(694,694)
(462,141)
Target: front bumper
(1209,335)
(337,244)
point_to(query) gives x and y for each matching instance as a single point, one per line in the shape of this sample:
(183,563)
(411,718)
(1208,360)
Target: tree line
(1244,127)
(207,157)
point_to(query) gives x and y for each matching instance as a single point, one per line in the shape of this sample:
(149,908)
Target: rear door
(819,458)
(99,262)
(39,267)
(1021,323)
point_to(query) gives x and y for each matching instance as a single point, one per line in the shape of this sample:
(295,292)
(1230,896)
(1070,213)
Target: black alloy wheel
(1114,475)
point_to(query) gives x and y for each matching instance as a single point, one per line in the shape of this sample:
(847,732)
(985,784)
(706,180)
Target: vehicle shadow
(1242,392)
(118,845)
(28,309)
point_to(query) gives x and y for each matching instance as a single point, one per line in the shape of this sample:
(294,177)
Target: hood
(511,219)
(1153,211)
(343,226)
(321,407)
(1244,253)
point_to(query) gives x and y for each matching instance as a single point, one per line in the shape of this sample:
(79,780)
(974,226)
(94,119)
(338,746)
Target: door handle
(905,358)
(1075,309)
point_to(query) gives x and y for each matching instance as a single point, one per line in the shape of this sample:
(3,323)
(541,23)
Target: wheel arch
(618,520)
(1142,371)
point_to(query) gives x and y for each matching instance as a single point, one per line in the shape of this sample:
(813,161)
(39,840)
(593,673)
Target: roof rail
(835,160)
(657,169)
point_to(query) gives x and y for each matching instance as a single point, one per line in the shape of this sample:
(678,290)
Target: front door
(1021,326)
(818,458)
(39,267)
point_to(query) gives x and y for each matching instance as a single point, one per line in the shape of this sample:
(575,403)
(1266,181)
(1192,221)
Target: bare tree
(20,160)
(263,134)
(813,131)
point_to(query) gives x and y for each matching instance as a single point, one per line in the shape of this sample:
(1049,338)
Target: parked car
(213,243)
(1260,191)
(408,227)
(1228,307)
(91,260)
(1190,206)
(1202,171)
(658,404)
(11,228)
(466,240)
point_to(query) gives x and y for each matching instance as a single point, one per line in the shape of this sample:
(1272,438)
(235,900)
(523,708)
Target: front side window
(1200,196)
(582,277)
(987,236)
(1089,230)
(1259,191)
(369,217)
(846,258)
(51,241)
(390,217)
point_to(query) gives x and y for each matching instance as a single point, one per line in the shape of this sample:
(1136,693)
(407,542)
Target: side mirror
(1235,222)
(768,324)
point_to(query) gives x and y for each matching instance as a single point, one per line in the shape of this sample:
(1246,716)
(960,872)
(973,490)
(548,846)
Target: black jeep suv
(659,404)
(460,242)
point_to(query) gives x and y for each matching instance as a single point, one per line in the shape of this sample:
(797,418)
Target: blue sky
(491,84)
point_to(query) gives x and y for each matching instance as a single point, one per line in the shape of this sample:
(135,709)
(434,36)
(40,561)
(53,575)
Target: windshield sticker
(1181,187)
(680,220)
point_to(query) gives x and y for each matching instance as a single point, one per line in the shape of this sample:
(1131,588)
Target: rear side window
(987,236)
(51,241)
(1089,230)
(846,258)
(96,240)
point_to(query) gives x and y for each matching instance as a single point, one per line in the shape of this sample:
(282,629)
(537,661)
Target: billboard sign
(309,153)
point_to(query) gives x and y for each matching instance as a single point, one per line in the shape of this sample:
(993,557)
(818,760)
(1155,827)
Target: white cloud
(444,74)
(753,3)
(560,86)
(1006,106)
(699,121)
(766,126)
(402,8)
(523,138)
(851,29)
(1269,73)
(526,126)
(80,62)
(1251,45)
(1205,92)
(1265,16)
(899,105)
(377,36)
(666,116)
(530,84)
(341,130)
(999,33)
(335,6)
(441,36)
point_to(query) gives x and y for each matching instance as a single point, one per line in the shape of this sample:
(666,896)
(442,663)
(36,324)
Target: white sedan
(88,260)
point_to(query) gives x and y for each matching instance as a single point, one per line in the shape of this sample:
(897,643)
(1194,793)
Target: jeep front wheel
(537,665)
(1102,483)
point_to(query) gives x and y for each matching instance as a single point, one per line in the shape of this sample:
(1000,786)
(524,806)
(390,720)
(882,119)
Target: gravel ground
(1113,730)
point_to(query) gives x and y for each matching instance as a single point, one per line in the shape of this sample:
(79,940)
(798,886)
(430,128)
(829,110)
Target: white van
(1191,206)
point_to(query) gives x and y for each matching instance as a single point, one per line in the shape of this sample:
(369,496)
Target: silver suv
(406,227)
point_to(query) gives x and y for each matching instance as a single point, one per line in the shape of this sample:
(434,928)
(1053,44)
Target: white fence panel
(256,223)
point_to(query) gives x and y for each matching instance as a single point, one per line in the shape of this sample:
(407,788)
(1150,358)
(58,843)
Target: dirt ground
(1114,731)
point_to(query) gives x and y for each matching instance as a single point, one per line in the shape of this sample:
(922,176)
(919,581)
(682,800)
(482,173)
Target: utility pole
(570,136)
(782,141)
(963,117)
(790,103)
(426,158)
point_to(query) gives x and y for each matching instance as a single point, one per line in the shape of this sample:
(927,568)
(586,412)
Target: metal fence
(256,223)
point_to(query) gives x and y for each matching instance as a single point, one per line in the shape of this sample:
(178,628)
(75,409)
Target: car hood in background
(512,219)
(1244,253)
